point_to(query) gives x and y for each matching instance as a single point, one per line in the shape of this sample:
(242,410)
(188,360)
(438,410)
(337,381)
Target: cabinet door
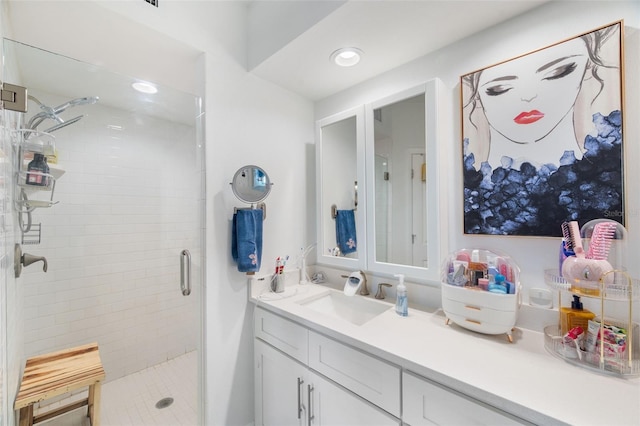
(331,405)
(280,387)
(427,403)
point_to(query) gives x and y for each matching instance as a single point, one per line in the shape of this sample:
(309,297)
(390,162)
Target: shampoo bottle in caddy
(401,297)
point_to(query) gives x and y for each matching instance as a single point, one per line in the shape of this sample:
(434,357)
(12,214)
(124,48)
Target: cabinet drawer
(371,378)
(427,403)
(281,333)
(498,302)
(480,313)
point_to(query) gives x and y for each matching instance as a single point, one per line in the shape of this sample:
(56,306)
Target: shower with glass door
(117,214)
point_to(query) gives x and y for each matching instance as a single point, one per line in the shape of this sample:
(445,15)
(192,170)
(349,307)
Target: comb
(603,233)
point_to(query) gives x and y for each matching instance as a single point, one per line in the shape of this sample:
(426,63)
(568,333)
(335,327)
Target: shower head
(80,101)
(63,124)
(52,113)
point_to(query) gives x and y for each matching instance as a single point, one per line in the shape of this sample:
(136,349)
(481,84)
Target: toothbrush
(603,233)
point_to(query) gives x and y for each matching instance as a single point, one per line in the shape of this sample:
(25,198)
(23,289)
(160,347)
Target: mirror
(399,219)
(400,182)
(405,215)
(251,184)
(340,166)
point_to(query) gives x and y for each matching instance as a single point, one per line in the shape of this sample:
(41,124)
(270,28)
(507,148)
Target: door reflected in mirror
(400,183)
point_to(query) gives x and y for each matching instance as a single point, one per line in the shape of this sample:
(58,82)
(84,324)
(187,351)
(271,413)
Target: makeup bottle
(574,316)
(477,269)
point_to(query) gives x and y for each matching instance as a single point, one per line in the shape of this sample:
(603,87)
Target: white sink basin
(354,309)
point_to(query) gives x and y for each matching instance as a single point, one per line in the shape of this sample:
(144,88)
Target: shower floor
(131,400)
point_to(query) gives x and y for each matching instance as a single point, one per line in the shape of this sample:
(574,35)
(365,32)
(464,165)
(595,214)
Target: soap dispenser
(402,308)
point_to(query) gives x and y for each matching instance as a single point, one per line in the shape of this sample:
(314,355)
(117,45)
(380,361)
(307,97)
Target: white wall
(248,121)
(543,26)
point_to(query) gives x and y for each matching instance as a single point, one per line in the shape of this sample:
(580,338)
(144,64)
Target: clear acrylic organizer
(616,291)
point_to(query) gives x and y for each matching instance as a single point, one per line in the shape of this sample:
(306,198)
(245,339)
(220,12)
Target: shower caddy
(27,196)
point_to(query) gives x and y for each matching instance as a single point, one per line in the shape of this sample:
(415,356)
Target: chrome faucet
(364,290)
(25,259)
(380,293)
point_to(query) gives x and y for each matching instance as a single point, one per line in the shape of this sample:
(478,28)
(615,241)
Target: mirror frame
(235,184)
(322,256)
(436,209)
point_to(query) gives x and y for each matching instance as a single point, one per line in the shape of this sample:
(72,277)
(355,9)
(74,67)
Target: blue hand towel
(346,231)
(246,239)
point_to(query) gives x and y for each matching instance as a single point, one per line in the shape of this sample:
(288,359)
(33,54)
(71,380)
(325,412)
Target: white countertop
(521,378)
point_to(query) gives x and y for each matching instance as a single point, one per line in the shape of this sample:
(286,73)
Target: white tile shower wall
(112,243)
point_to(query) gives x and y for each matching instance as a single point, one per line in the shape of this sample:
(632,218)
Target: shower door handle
(185,272)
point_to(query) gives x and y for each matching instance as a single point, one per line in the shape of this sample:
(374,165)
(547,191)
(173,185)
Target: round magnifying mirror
(251,184)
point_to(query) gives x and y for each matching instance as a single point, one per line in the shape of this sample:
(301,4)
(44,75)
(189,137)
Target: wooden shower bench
(57,373)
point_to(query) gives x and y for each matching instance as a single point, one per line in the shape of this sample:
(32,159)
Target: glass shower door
(126,209)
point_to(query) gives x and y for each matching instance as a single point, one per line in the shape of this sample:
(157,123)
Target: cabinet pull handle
(300,382)
(310,415)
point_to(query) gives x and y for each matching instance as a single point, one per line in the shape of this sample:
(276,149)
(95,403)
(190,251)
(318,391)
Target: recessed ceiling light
(347,56)
(144,87)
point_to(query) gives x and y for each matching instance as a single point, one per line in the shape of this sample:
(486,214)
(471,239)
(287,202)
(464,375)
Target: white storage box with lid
(474,295)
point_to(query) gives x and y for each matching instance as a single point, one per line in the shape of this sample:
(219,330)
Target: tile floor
(131,400)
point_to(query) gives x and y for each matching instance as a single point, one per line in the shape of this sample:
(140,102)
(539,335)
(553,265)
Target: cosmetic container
(486,307)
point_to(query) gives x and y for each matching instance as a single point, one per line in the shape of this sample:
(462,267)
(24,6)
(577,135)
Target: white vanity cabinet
(280,385)
(427,403)
(288,392)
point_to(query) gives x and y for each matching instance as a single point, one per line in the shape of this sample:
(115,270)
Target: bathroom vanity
(315,367)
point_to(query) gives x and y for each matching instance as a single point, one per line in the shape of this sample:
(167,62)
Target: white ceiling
(291,41)
(390,32)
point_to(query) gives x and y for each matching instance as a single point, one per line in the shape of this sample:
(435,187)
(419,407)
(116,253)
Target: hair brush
(603,233)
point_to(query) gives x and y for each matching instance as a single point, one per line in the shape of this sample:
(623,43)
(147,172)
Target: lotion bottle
(402,308)
(574,316)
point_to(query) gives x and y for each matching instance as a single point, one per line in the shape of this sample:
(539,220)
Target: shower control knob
(26,259)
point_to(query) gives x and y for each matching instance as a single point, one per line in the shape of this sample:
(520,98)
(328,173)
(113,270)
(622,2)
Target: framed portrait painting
(542,138)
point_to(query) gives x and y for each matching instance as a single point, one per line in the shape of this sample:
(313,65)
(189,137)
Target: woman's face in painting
(525,99)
